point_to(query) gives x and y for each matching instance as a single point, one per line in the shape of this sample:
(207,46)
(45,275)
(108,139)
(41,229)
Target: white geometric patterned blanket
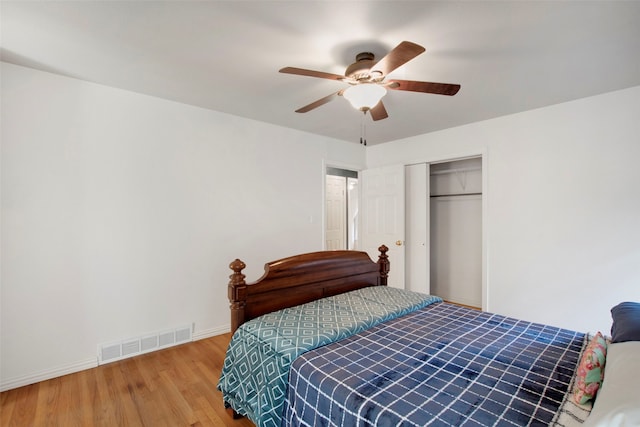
(256,367)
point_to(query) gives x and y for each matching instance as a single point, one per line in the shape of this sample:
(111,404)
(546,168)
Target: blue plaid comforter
(256,367)
(442,365)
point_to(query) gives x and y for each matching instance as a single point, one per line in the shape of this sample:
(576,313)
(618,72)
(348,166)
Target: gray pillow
(626,322)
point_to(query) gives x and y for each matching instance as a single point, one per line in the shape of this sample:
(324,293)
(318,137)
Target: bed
(320,339)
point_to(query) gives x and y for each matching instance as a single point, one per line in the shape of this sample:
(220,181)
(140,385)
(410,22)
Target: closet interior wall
(456,231)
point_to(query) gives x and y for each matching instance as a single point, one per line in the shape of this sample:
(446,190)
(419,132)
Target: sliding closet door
(417,227)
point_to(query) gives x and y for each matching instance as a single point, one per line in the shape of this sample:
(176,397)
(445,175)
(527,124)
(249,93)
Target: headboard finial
(237,293)
(384,265)
(237,266)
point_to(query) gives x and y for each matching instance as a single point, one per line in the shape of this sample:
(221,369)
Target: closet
(455,230)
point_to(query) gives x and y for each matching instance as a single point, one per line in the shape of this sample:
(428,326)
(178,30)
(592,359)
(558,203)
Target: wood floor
(463,305)
(173,387)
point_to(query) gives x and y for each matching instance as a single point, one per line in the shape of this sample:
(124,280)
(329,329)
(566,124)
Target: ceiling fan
(367,84)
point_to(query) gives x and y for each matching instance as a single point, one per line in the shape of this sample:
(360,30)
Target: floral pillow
(591,370)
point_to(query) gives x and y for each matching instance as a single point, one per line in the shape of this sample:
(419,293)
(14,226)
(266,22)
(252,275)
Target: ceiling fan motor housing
(360,70)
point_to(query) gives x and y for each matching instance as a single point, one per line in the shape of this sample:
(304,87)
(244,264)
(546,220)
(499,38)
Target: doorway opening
(341,209)
(455,201)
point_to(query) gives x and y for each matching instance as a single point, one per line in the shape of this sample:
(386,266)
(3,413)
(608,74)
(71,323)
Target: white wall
(121,213)
(562,205)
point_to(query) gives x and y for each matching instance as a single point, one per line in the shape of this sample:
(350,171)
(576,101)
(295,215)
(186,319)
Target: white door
(383,217)
(417,228)
(353,213)
(336,215)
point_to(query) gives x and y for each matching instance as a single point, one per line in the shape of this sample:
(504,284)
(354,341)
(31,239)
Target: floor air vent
(114,351)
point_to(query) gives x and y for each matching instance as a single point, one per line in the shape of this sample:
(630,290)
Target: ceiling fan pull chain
(363,129)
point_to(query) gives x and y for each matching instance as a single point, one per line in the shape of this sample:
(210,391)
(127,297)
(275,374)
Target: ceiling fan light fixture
(366,78)
(364,96)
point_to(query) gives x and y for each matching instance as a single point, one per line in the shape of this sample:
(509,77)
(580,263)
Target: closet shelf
(456,194)
(458,170)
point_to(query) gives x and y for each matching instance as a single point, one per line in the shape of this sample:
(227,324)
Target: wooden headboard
(302,278)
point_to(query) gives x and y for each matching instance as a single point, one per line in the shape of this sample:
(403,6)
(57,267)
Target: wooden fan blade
(311,73)
(400,55)
(319,102)
(378,112)
(425,87)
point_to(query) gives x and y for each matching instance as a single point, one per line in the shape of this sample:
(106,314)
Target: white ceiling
(509,56)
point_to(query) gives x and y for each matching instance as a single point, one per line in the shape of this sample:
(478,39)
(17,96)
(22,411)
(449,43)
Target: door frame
(482,153)
(337,165)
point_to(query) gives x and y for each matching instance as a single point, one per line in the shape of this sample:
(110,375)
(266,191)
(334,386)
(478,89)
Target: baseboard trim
(48,374)
(208,333)
(82,365)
